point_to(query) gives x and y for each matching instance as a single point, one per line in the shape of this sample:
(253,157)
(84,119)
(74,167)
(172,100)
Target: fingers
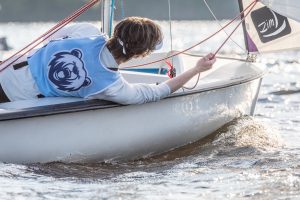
(211,58)
(206,62)
(208,58)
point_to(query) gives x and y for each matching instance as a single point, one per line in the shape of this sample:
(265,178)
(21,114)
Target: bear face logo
(67,72)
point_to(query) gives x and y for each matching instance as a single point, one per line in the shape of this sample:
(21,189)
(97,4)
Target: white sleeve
(75,31)
(125,93)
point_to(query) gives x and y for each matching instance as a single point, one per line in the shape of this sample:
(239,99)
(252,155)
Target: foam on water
(247,131)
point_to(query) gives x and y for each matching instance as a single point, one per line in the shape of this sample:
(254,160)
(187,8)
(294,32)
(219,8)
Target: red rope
(198,78)
(234,29)
(171,69)
(204,40)
(81,10)
(49,33)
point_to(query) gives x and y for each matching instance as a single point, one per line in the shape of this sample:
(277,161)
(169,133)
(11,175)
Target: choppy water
(249,158)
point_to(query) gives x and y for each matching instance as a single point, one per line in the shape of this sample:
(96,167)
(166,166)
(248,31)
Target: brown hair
(139,36)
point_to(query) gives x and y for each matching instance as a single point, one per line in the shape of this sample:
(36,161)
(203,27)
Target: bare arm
(202,65)
(125,93)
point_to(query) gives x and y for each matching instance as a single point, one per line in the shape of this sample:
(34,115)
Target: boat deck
(229,75)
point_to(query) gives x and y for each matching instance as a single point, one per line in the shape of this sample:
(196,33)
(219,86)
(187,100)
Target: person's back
(87,66)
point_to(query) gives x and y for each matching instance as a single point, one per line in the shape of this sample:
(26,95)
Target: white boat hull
(125,132)
(75,130)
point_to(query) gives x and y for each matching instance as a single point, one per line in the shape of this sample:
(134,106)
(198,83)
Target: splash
(248,132)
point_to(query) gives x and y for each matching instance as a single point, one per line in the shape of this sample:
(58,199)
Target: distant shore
(54,10)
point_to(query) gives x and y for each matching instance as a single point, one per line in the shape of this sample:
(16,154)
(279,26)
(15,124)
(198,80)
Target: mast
(251,55)
(107,13)
(241,7)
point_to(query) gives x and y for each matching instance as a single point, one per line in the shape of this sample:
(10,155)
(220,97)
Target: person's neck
(118,60)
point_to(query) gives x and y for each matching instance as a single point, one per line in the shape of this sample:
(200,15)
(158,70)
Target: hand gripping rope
(251,6)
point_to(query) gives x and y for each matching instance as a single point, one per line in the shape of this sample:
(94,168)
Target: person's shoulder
(104,35)
(84,29)
(85,25)
(99,37)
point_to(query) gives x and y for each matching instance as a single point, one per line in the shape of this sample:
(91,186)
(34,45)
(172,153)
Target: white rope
(170,25)
(212,13)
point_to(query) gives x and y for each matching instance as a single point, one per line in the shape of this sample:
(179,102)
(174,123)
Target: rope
(122,8)
(171,68)
(112,7)
(170,25)
(81,10)
(49,33)
(214,16)
(221,57)
(198,78)
(234,29)
(202,41)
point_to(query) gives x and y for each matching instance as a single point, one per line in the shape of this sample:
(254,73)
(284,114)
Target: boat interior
(225,72)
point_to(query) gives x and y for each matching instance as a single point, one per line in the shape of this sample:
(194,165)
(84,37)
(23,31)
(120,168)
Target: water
(249,158)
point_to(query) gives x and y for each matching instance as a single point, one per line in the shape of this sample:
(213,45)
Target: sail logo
(269,24)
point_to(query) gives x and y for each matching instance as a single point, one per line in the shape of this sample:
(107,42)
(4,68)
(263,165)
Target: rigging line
(214,16)
(53,28)
(220,57)
(170,25)
(191,88)
(202,41)
(242,20)
(112,8)
(50,32)
(122,8)
(102,18)
(198,78)
(171,40)
(57,26)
